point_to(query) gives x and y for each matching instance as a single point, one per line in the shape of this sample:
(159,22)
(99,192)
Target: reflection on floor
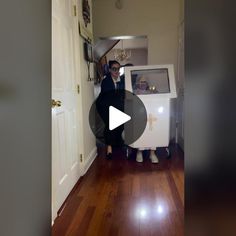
(123,197)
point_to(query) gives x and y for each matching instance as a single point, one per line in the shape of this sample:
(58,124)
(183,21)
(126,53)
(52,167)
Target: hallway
(123,197)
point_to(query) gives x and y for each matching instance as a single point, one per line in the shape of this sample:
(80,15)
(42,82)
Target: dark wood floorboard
(123,197)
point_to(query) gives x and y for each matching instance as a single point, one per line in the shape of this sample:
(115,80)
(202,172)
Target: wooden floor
(123,197)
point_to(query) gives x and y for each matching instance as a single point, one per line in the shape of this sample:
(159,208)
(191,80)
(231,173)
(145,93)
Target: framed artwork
(84,28)
(85,33)
(86,12)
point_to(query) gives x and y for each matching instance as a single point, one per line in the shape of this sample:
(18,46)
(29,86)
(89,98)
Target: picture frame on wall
(86,12)
(84,32)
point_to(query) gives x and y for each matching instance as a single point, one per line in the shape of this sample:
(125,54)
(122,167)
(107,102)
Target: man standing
(112,94)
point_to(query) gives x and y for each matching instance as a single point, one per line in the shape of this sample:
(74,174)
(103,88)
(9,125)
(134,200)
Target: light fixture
(121,54)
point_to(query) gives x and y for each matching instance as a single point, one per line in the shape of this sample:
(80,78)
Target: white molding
(89,160)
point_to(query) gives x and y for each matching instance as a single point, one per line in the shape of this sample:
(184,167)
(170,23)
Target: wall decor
(86,12)
(84,32)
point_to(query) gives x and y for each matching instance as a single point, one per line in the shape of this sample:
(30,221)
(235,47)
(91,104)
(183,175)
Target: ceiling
(132,43)
(104,45)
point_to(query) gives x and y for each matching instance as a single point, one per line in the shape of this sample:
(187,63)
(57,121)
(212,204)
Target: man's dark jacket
(109,96)
(108,84)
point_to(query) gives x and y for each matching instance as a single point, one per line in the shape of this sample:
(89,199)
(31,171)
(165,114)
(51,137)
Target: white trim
(89,160)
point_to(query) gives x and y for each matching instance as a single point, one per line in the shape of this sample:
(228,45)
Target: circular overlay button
(122,110)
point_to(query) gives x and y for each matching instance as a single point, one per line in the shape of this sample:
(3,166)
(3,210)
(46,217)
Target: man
(112,91)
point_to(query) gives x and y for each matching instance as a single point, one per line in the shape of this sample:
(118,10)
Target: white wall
(157,19)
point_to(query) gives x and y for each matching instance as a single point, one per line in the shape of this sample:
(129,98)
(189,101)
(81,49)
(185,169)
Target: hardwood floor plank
(123,197)
(83,227)
(63,222)
(99,214)
(135,186)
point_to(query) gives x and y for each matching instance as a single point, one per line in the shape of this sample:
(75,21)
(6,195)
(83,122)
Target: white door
(65,141)
(180,84)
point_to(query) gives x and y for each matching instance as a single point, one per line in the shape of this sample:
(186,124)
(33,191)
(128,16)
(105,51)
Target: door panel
(65,142)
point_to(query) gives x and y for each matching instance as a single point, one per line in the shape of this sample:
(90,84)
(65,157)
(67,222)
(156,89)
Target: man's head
(114,67)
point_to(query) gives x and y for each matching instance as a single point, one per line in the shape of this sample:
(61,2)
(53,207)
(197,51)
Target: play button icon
(117,118)
(117,114)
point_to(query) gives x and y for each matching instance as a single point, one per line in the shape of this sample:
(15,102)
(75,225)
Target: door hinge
(75,11)
(81,158)
(78,88)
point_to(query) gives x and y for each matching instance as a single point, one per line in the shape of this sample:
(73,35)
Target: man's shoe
(153,158)
(109,156)
(139,157)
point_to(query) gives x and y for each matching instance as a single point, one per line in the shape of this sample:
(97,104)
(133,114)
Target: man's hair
(112,62)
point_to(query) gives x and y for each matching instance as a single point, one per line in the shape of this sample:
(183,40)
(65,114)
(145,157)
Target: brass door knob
(56,103)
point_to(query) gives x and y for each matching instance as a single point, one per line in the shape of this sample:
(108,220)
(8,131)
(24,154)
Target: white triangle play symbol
(117,118)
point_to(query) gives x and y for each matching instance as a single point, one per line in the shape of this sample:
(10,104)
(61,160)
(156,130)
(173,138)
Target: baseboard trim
(89,160)
(67,199)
